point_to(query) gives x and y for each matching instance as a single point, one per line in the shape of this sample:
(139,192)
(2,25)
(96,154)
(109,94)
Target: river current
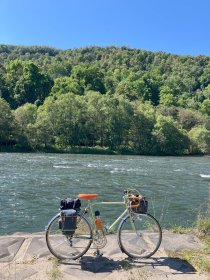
(31,186)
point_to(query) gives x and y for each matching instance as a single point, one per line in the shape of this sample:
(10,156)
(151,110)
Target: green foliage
(171,139)
(189,118)
(180,229)
(89,77)
(167,97)
(199,258)
(200,139)
(203,226)
(205,107)
(66,84)
(6,123)
(141,131)
(25,117)
(26,84)
(121,99)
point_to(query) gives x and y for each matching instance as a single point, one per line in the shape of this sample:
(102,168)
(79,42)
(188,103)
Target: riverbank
(26,256)
(98,150)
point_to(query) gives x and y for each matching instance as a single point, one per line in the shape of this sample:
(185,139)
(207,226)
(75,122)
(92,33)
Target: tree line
(121,99)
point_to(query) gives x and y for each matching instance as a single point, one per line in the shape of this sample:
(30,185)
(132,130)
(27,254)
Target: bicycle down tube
(91,205)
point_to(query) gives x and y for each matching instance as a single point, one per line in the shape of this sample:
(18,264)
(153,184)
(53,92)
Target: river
(31,186)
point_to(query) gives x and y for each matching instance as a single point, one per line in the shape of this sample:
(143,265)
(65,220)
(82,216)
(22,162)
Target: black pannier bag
(68,221)
(70,203)
(143,206)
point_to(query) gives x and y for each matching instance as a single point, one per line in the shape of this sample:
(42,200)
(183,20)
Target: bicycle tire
(139,235)
(71,246)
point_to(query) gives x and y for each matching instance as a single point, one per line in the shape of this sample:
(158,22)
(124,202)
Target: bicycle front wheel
(71,246)
(139,235)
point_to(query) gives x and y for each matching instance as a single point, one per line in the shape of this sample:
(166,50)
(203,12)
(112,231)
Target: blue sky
(178,27)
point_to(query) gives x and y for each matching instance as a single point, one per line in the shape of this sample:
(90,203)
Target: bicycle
(139,234)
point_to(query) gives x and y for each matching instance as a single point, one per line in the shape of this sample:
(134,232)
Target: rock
(173,242)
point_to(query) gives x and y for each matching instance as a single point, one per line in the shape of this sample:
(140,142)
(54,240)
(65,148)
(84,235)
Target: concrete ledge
(26,256)
(9,246)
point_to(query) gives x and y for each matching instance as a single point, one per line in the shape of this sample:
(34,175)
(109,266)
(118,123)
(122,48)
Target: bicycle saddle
(87,196)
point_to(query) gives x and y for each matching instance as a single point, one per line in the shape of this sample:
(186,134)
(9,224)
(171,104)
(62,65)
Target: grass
(134,273)
(126,265)
(139,274)
(199,259)
(203,226)
(181,229)
(54,273)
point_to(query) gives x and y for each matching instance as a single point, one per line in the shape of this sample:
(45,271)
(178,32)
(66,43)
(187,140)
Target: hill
(121,99)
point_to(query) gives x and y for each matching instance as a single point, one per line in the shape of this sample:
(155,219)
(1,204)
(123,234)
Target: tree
(200,140)
(167,97)
(62,120)
(45,126)
(25,117)
(7,130)
(59,69)
(66,84)
(119,114)
(142,125)
(188,118)
(4,91)
(32,86)
(89,77)
(206,92)
(97,118)
(170,139)
(68,120)
(27,83)
(127,89)
(205,77)
(151,86)
(205,107)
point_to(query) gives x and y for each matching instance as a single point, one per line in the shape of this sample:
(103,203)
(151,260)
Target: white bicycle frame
(123,216)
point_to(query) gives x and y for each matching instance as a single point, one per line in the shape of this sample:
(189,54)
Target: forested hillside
(113,99)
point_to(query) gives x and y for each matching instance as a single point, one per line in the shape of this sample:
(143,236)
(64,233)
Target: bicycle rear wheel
(139,235)
(71,246)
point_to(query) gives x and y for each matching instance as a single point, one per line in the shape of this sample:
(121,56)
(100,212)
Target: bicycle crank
(99,240)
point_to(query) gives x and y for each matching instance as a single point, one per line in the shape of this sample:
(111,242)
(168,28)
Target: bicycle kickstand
(98,253)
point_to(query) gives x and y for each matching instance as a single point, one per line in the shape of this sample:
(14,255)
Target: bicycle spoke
(69,246)
(140,237)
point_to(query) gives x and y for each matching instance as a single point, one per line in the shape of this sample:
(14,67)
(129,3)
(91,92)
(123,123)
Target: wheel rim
(70,246)
(143,238)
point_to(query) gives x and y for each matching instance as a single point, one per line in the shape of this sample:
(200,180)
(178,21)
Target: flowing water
(31,186)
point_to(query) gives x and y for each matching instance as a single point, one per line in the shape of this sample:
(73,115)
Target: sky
(174,26)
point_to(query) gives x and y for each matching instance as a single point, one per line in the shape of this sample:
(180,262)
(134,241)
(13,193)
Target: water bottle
(98,220)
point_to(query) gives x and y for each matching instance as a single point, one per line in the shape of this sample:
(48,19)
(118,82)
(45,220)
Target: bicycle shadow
(176,265)
(99,264)
(94,264)
(104,264)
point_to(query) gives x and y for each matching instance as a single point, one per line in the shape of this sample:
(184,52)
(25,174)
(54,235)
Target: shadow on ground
(175,264)
(96,264)
(106,265)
